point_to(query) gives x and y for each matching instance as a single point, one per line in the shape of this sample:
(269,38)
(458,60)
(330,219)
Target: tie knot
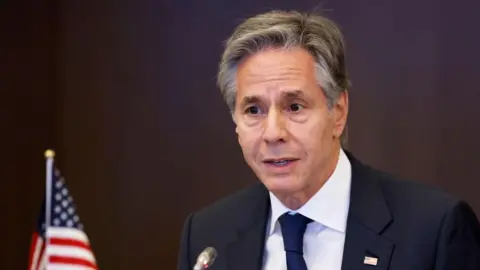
(293,227)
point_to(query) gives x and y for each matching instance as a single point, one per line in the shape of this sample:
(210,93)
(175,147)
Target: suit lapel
(365,248)
(247,249)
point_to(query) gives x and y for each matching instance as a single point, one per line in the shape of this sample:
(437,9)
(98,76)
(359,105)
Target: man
(317,207)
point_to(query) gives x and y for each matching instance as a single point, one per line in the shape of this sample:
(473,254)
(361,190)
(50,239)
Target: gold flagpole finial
(49,153)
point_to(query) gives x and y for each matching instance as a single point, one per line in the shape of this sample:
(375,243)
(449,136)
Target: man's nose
(274,128)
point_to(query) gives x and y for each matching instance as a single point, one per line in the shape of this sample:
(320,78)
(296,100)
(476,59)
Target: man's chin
(282,185)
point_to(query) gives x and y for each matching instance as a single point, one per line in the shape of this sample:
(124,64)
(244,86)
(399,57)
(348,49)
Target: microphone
(205,259)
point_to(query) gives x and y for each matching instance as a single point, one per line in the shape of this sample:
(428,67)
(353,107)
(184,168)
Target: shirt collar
(329,206)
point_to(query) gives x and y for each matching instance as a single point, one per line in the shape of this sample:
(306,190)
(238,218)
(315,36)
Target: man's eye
(295,107)
(252,110)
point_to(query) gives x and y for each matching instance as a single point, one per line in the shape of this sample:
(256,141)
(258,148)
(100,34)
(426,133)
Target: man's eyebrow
(288,94)
(249,100)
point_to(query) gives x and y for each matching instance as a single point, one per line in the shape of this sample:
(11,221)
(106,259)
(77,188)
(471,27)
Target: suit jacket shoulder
(219,224)
(411,197)
(411,225)
(233,208)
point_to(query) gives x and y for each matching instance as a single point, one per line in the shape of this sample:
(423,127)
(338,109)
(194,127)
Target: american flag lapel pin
(370,261)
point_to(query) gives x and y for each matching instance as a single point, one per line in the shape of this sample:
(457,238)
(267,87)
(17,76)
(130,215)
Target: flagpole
(49,156)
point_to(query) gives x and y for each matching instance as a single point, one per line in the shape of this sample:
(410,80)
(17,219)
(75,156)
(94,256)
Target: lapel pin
(370,261)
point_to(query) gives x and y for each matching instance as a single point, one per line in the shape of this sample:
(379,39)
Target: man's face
(288,135)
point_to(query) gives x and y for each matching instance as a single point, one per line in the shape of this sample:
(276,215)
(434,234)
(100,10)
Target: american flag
(68,245)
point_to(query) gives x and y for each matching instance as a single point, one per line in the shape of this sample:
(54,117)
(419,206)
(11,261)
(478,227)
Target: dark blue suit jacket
(406,225)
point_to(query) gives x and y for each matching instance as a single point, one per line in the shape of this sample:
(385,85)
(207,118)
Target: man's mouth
(280,162)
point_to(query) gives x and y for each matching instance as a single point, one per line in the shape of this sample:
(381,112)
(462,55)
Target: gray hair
(280,29)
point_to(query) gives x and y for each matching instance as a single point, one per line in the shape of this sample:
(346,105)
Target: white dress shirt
(325,237)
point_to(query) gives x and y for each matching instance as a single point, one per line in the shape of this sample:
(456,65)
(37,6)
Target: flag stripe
(69,242)
(68,233)
(42,263)
(68,260)
(41,257)
(35,251)
(69,267)
(71,252)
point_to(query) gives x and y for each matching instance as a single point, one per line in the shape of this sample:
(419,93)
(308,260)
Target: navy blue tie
(293,227)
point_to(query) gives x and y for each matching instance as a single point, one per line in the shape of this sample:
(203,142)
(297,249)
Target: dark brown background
(124,91)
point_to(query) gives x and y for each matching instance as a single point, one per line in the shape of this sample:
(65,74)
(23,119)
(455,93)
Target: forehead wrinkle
(276,76)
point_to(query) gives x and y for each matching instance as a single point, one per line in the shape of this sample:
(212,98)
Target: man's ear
(234,119)
(340,114)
